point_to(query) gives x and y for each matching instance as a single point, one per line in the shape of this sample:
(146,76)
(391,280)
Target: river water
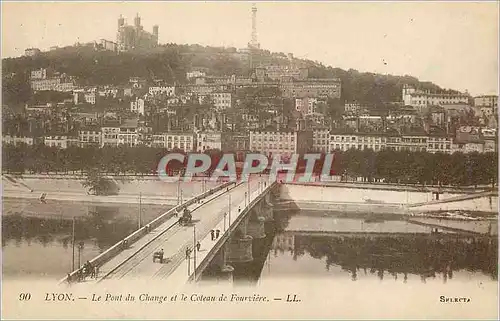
(315,246)
(37,238)
(36,242)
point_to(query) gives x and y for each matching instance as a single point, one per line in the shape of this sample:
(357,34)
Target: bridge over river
(239,212)
(236,210)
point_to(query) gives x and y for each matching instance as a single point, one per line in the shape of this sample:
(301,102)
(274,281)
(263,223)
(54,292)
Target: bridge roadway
(136,262)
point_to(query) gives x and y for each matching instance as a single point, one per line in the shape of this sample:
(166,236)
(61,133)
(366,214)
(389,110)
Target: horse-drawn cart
(158,256)
(186,217)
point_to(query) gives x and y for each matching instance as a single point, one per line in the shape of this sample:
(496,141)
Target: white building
(195,74)
(109,135)
(321,140)
(359,141)
(280,142)
(39,74)
(352,108)
(175,140)
(168,90)
(306,105)
(90,137)
(89,97)
(15,140)
(488,104)
(440,144)
(423,99)
(469,147)
(129,133)
(208,140)
(137,106)
(62,142)
(55,84)
(108,92)
(31,52)
(220,100)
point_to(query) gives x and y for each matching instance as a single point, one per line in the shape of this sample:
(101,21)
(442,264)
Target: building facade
(166,90)
(344,141)
(175,140)
(137,106)
(321,140)
(61,142)
(420,100)
(135,37)
(488,104)
(32,52)
(17,140)
(208,140)
(280,142)
(278,72)
(90,137)
(109,136)
(320,88)
(306,105)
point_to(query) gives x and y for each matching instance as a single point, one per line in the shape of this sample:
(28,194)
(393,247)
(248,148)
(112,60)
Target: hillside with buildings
(136,92)
(88,64)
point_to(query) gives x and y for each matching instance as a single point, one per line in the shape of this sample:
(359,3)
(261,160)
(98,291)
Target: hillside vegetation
(170,62)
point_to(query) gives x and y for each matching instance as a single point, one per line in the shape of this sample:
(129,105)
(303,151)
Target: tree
(96,183)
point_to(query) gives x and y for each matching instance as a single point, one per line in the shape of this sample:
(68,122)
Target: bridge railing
(129,240)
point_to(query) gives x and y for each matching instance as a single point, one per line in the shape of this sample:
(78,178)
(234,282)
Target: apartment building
(61,142)
(306,105)
(166,90)
(361,141)
(208,140)
(321,140)
(90,137)
(281,142)
(320,88)
(137,106)
(440,144)
(488,104)
(17,140)
(420,99)
(109,134)
(175,140)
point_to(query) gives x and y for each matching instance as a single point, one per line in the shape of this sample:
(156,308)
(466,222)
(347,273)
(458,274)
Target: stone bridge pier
(238,249)
(225,271)
(252,227)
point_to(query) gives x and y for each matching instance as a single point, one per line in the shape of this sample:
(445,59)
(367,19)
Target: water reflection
(419,255)
(37,243)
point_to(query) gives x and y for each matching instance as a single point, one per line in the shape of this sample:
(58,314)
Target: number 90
(24,297)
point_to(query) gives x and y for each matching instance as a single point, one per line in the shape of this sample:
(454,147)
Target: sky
(453,44)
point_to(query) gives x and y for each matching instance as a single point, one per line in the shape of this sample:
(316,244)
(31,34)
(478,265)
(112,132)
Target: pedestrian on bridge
(198,246)
(212,234)
(217,234)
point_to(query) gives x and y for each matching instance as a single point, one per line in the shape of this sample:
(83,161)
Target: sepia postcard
(249,160)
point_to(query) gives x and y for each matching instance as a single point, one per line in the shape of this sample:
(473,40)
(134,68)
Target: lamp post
(225,214)
(188,258)
(248,189)
(80,248)
(178,191)
(229,211)
(73,246)
(139,220)
(194,252)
